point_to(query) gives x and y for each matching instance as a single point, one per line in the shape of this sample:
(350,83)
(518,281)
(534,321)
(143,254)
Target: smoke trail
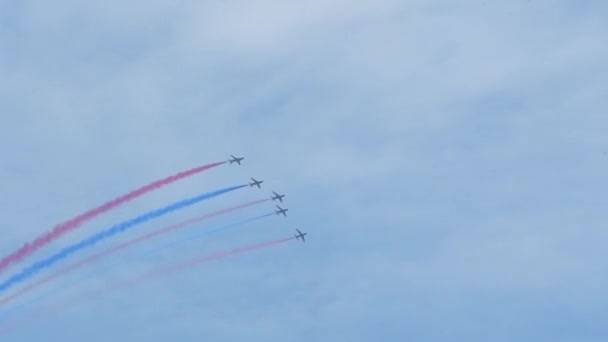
(204,233)
(124,245)
(73,223)
(121,227)
(210,257)
(52,309)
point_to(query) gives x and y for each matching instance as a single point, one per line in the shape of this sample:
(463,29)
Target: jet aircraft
(255,182)
(235,160)
(281,211)
(277,197)
(300,235)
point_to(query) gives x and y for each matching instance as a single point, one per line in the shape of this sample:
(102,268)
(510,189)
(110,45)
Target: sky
(448,160)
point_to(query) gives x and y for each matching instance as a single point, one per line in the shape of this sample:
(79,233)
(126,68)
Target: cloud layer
(447,158)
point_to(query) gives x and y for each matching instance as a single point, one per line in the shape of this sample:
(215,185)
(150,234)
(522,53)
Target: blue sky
(448,159)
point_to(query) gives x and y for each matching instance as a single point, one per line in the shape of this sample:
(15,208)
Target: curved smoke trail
(73,223)
(204,233)
(122,246)
(92,240)
(209,257)
(185,265)
(145,277)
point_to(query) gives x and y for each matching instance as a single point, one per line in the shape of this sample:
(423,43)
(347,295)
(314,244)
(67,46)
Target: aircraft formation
(72,249)
(275,196)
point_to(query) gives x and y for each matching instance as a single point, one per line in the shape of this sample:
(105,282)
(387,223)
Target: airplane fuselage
(300,236)
(281,211)
(278,197)
(235,160)
(255,183)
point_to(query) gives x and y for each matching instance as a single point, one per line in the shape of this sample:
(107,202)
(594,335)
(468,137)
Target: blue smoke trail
(201,234)
(121,227)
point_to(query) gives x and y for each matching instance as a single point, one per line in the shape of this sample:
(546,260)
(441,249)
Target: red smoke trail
(146,277)
(121,246)
(210,257)
(73,223)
